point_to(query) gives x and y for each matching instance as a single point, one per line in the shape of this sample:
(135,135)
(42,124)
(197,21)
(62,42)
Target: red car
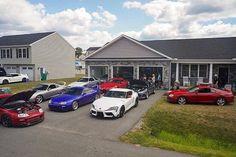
(16,110)
(116,82)
(200,94)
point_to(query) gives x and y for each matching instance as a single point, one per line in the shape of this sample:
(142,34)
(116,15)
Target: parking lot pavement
(76,133)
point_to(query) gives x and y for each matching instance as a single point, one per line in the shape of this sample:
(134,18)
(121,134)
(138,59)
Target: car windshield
(83,80)
(41,87)
(115,94)
(193,89)
(116,81)
(73,91)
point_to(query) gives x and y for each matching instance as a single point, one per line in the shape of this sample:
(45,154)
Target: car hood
(80,84)
(108,85)
(25,95)
(105,103)
(63,97)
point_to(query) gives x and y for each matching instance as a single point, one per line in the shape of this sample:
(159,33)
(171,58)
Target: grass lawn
(17,87)
(204,130)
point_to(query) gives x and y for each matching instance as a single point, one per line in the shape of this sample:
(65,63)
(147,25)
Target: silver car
(45,91)
(90,82)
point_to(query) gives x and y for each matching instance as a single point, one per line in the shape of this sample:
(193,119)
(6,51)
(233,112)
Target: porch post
(210,73)
(88,71)
(137,71)
(177,73)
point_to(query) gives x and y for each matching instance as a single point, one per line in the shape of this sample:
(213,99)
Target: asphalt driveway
(76,133)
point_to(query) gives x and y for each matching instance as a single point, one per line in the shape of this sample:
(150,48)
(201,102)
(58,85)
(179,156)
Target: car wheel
(39,99)
(24,80)
(6,121)
(221,101)
(75,106)
(122,112)
(5,82)
(136,102)
(182,100)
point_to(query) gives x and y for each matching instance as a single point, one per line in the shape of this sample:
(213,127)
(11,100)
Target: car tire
(122,112)
(24,80)
(75,105)
(182,100)
(136,102)
(221,101)
(5,82)
(6,121)
(39,99)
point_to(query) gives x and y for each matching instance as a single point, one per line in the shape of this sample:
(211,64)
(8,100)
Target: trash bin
(5,90)
(44,76)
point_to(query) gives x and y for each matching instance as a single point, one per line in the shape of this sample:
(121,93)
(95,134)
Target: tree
(78,52)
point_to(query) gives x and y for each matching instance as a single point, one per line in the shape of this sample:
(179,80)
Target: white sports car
(13,77)
(114,103)
(85,82)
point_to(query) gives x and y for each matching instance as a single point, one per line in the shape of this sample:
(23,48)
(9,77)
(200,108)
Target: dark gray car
(142,87)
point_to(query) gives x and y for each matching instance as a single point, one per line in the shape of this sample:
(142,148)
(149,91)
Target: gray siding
(54,54)
(124,48)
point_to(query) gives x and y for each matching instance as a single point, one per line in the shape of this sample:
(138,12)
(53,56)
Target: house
(189,61)
(38,54)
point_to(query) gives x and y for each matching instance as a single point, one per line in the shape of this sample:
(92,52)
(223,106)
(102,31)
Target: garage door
(10,69)
(27,70)
(127,72)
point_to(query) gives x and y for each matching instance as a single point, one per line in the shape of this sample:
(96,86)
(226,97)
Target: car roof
(120,89)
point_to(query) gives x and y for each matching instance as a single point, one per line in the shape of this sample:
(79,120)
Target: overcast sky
(86,23)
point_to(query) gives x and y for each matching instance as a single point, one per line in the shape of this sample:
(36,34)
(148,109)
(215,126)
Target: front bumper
(103,114)
(27,121)
(59,107)
(171,99)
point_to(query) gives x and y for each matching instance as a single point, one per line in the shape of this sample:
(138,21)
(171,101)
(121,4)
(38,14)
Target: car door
(52,90)
(85,96)
(205,95)
(129,100)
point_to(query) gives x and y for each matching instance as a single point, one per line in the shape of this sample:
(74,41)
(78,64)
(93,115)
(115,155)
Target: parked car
(72,98)
(200,94)
(13,77)
(17,110)
(2,72)
(45,91)
(90,82)
(114,103)
(116,82)
(142,87)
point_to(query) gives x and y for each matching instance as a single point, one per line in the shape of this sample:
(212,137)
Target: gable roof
(93,48)
(23,39)
(202,48)
(120,54)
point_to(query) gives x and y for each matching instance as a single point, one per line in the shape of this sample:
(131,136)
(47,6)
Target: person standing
(153,78)
(215,81)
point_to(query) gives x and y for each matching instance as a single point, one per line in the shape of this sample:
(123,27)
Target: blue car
(72,98)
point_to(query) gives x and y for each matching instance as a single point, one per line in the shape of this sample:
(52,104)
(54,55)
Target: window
(203,70)
(185,70)
(6,53)
(194,70)
(204,90)
(22,53)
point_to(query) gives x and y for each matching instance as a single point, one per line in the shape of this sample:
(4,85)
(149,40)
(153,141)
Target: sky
(86,23)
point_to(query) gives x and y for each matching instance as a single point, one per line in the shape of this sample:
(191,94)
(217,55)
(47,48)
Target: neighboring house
(189,61)
(80,64)
(35,54)
(90,50)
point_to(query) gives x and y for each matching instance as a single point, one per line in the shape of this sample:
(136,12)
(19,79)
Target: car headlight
(23,115)
(113,108)
(93,106)
(62,103)
(171,95)
(50,101)
(41,110)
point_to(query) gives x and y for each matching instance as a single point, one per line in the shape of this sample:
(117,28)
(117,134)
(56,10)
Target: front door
(223,76)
